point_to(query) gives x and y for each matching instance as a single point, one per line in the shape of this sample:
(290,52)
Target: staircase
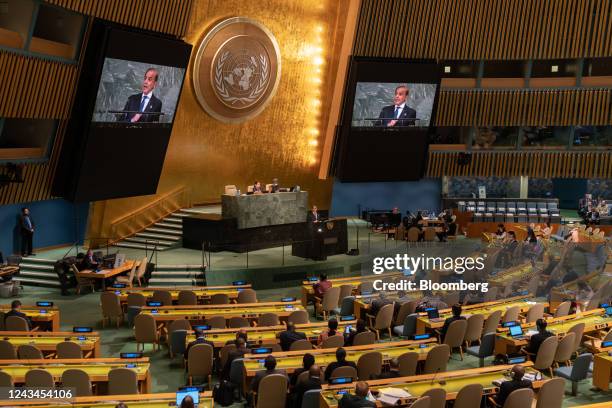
(37,272)
(178,275)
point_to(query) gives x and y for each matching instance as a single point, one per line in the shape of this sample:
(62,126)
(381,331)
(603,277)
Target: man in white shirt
(144,102)
(398,114)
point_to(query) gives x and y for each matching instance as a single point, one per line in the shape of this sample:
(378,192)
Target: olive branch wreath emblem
(256,92)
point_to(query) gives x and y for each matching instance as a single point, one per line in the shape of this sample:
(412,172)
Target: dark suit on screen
(133,104)
(406,117)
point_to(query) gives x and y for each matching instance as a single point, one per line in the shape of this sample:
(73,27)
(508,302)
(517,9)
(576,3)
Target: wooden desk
(49,319)
(203,293)
(97,368)
(417,385)
(602,371)
(160,400)
(8,270)
(354,281)
(363,303)
(511,275)
(107,273)
(47,341)
(199,313)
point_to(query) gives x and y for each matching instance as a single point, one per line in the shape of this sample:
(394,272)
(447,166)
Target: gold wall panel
(485,29)
(284,140)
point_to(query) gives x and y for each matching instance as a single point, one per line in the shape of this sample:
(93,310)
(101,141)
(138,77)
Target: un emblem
(236,70)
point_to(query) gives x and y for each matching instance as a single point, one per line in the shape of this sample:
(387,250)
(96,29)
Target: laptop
(193,392)
(517,332)
(119,260)
(433,314)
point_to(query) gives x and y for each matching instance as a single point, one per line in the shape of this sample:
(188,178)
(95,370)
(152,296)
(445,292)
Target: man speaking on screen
(398,114)
(144,102)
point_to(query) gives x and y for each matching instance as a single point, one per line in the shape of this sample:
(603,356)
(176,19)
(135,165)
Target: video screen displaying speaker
(124,109)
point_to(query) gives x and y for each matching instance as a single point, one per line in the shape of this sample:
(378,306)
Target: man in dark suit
(143,102)
(199,340)
(239,352)
(398,114)
(27,232)
(393,370)
(312,383)
(359,400)
(340,362)
(456,316)
(516,383)
(270,368)
(313,215)
(16,311)
(274,187)
(379,303)
(288,336)
(537,339)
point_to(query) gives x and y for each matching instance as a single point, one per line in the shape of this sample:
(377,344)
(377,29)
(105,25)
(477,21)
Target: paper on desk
(531,332)
(391,396)
(531,302)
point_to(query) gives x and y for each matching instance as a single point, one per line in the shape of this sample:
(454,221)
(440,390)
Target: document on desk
(391,396)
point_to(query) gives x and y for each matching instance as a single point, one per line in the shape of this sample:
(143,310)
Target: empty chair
(141,271)
(224,354)
(408,328)
(136,299)
(455,335)
(38,378)
(347,306)
(491,322)
(69,349)
(473,332)
(408,364)
(7,351)
(578,330)
(6,380)
(298,317)
(565,349)
(469,396)
(437,359)
(577,372)
(16,323)
(382,321)
(551,394)
(122,381)
(484,350)
(345,290)
(413,234)
(329,302)
(363,338)
(177,339)
(405,309)
(333,341)
(163,296)
(311,399)
(423,402)
(512,314)
(429,234)
(346,371)
(302,344)
(77,379)
(369,365)
(200,363)
(81,280)
(437,397)
(268,319)
(237,322)
(181,325)
(535,312)
(129,278)
(145,331)
(29,352)
(365,288)
(522,397)
(111,308)
(546,354)
(563,309)
(187,297)
(219,299)
(247,296)
(272,392)
(216,322)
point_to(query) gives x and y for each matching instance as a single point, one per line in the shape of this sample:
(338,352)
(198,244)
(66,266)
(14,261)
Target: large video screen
(393,105)
(137,92)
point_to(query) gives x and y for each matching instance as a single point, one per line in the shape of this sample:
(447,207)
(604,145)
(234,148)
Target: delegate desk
(602,371)
(291,360)
(161,400)
(363,303)
(512,275)
(268,335)
(417,385)
(104,274)
(354,281)
(96,368)
(42,317)
(593,320)
(199,313)
(47,341)
(7,271)
(203,293)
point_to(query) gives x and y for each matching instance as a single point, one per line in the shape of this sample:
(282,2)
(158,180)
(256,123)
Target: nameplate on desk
(238,283)
(509,324)
(261,350)
(153,303)
(82,329)
(119,285)
(44,304)
(347,318)
(288,299)
(130,355)
(421,336)
(341,380)
(202,327)
(605,344)
(313,279)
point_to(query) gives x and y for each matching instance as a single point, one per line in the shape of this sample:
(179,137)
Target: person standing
(27,232)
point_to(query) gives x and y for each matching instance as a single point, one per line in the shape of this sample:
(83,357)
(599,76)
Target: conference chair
(7,351)
(176,325)
(565,349)
(230,189)
(578,330)
(141,271)
(224,354)
(333,341)
(247,296)
(329,302)
(311,399)
(268,319)
(236,378)
(163,296)
(364,338)
(38,378)
(455,335)
(595,341)
(423,402)
(145,331)
(82,281)
(437,397)
(132,312)
(369,366)
(187,298)
(272,392)
(127,279)
(473,332)
(491,322)
(520,398)
(577,372)
(70,349)
(408,364)
(219,299)
(437,359)
(122,381)
(16,323)
(216,322)
(200,363)
(29,352)
(365,288)
(469,396)
(408,328)
(237,322)
(512,314)
(551,394)
(111,308)
(382,321)
(136,299)
(535,312)
(305,375)
(77,379)
(405,309)
(484,350)
(344,372)
(345,290)
(563,309)
(6,380)
(177,345)
(298,317)
(429,235)
(303,344)
(546,354)
(346,306)
(413,234)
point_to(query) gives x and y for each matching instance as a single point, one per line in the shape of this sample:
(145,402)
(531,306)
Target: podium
(321,239)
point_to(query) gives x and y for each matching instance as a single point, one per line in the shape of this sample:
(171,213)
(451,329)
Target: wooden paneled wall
(491,29)
(165,16)
(524,107)
(533,164)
